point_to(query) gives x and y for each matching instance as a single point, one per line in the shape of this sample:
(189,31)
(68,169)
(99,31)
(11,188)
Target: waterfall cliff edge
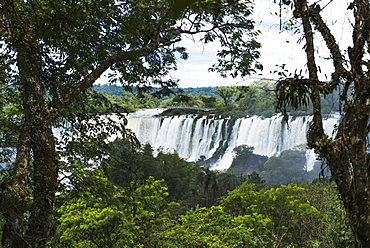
(195,138)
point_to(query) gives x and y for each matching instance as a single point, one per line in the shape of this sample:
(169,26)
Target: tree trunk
(41,225)
(36,140)
(349,165)
(346,156)
(45,158)
(14,195)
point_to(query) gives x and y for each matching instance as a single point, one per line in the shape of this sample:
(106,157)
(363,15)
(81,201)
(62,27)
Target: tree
(227,94)
(254,178)
(176,173)
(245,161)
(209,101)
(232,93)
(308,215)
(213,184)
(322,194)
(259,99)
(346,155)
(52,53)
(105,215)
(214,227)
(207,179)
(122,166)
(287,167)
(293,221)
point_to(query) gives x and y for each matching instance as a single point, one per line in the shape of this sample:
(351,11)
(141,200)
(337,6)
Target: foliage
(254,178)
(227,94)
(293,221)
(211,185)
(188,182)
(177,174)
(231,93)
(184,111)
(322,194)
(290,216)
(98,213)
(347,154)
(105,215)
(289,166)
(111,90)
(52,54)
(303,216)
(54,51)
(126,164)
(213,227)
(257,99)
(245,161)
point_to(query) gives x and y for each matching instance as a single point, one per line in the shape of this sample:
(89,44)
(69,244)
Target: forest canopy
(258,98)
(52,54)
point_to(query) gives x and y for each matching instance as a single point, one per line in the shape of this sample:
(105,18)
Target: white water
(193,138)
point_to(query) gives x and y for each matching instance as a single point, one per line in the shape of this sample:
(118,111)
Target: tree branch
(360,36)
(301,11)
(316,129)
(88,81)
(330,43)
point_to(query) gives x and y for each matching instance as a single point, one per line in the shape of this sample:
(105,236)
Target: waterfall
(193,137)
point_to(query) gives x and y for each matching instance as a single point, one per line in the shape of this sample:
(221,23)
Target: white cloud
(277,47)
(193,72)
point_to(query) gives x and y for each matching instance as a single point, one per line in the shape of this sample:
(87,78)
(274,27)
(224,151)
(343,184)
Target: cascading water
(193,138)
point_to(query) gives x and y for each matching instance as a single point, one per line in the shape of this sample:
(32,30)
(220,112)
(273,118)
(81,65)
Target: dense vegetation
(257,202)
(256,99)
(288,167)
(347,154)
(82,190)
(136,199)
(52,52)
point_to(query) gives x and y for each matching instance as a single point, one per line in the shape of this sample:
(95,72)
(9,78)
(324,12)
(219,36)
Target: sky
(277,47)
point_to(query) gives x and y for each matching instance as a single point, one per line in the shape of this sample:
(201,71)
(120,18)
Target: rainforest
(138,161)
(161,199)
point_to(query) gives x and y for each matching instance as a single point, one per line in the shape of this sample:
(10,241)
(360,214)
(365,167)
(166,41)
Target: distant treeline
(115,90)
(256,99)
